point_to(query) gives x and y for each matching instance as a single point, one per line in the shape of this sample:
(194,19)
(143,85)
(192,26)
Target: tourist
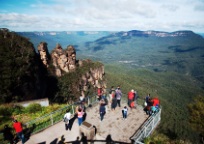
(132,105)
(19,130)
(114,103)
(7,133)
(67,117)
(118,94)
(102,109)
(130,97)
(99,93)
(80,114)
(125,112)
(147,99)
(111,91)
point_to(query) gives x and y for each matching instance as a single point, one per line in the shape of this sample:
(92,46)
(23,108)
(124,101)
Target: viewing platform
(137,126)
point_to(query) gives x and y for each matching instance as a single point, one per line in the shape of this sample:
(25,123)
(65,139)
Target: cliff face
(94,76)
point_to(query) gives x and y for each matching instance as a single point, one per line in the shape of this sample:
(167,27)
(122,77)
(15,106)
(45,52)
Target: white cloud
(107,15)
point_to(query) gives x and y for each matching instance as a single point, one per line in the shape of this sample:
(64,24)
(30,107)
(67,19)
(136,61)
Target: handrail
(147,128)
(54,117)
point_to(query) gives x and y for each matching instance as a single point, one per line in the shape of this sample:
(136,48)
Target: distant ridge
(183,33)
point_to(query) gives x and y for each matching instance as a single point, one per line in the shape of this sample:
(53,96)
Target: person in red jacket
(130,97)
(19,130)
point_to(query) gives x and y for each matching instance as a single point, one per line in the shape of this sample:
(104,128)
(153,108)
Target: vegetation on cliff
(20,75)
(70,86)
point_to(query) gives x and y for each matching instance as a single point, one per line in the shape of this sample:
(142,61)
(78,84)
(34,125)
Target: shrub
(17,109)
(33,108)
(6,110)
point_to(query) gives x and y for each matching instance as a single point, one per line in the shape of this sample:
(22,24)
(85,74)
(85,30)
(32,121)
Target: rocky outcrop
(94,77)
(44,54)
(64,61)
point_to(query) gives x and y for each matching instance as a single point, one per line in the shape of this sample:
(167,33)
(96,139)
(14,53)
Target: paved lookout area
(113,125)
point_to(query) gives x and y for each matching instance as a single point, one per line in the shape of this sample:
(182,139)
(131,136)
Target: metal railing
(52,118)
(147,128)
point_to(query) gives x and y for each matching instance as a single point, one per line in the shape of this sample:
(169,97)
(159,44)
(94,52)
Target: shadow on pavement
(84,140)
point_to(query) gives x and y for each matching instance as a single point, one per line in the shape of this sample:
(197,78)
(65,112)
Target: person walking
(19,130)
(102,110)
(80,116)
(67,117)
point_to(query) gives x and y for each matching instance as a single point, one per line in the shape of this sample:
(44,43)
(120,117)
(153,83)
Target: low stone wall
(42,102)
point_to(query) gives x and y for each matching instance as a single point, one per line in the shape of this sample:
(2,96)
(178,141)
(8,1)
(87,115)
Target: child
(132,105)
(124,112)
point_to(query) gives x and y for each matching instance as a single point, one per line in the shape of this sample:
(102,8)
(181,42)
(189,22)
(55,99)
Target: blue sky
(102,15)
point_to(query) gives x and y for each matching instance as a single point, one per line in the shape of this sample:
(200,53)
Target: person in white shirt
(67,117)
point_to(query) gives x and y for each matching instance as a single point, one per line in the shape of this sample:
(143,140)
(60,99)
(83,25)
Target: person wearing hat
(19,130)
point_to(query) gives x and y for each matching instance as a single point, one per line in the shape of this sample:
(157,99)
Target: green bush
(18,109)
(33,108)
(6,110)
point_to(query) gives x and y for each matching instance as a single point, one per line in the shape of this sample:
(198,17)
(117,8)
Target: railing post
(145,131)
(73,109)
(51,118)
(153,123)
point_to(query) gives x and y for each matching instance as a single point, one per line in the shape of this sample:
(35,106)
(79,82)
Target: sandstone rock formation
(93,76)
(63,60)
(43,52)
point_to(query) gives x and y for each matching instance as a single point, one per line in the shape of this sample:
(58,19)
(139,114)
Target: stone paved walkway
(113,124)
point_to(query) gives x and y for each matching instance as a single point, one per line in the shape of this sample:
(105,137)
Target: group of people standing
(114,99)
(115,96)
(152,105)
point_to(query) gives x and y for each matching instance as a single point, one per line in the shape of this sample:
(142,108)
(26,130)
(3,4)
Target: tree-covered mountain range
(180,51)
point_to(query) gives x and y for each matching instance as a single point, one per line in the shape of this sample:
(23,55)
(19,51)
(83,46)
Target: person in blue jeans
(102,110)
(80,116)
(125,112)
(19,130)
